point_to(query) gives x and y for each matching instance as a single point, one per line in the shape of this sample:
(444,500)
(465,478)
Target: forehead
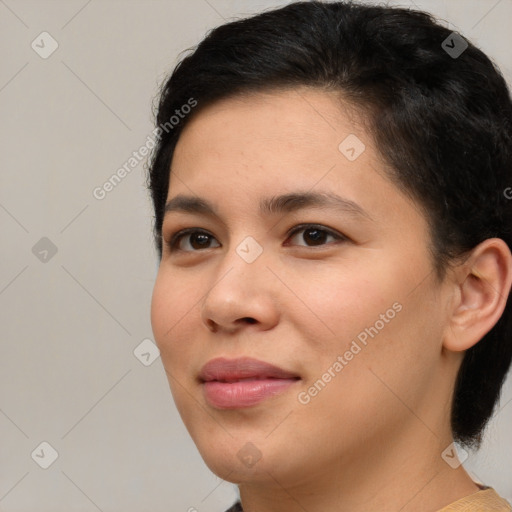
(299,128)
(272,143)
(303,109)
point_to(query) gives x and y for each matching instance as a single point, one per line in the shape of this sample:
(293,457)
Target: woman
(334,232)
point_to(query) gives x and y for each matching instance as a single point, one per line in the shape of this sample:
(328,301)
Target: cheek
(397,352)
(171,307)
(374,318)
(362,386)
(341,302)
(162,309)
(170,314)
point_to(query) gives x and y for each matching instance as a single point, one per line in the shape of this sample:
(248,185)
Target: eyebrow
(284,203)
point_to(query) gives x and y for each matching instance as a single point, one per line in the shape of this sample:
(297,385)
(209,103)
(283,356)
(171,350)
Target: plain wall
(71,323)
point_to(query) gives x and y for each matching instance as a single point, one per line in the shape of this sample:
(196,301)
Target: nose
(240,294)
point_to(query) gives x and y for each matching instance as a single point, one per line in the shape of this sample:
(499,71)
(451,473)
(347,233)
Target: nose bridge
(239,288)
(242,265)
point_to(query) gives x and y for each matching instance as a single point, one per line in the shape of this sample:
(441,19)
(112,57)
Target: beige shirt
(485,500)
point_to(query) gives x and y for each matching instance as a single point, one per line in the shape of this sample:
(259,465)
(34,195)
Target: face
(341,295)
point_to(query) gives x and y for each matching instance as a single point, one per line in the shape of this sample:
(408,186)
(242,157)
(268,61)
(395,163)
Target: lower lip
(234,395)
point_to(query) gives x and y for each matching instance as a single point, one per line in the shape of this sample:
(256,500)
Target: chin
(229,466)
(235,458)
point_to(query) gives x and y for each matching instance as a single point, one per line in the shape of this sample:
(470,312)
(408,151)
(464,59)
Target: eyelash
(176,237)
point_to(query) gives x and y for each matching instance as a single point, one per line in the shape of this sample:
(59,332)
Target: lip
(224,388)
(222,369)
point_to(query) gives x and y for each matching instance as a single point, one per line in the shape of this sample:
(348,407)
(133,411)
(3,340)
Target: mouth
(248,379)
(243,382)
(242,368)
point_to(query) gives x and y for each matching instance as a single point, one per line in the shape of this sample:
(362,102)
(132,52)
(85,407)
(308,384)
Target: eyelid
(182,232)
(340,237)
(320,227)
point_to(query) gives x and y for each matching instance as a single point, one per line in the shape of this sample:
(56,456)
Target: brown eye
(316,235)
(197,240)
(313,235)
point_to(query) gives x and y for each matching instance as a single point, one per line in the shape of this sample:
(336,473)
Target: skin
(372,438)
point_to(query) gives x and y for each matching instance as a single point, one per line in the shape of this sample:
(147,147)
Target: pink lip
(223,388)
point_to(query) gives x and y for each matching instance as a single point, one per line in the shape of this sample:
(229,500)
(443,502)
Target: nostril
(212,325)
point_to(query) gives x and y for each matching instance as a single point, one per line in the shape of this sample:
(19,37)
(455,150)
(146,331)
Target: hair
(441,122)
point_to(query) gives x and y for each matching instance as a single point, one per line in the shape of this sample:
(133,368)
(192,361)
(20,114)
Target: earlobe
(483,286)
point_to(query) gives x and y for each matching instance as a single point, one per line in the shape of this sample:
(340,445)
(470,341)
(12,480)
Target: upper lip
(223,369)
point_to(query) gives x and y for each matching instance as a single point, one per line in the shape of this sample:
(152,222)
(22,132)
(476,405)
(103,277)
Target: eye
(199,239)
(316,234)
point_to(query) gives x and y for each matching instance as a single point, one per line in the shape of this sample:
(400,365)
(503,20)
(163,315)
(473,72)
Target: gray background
(72,320)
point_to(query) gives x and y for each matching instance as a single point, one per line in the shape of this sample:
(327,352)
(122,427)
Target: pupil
(316,238)
(197,236)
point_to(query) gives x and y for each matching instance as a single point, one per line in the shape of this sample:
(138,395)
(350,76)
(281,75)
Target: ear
(481,285)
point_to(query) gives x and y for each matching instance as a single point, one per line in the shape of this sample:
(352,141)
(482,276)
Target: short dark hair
(442,122)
